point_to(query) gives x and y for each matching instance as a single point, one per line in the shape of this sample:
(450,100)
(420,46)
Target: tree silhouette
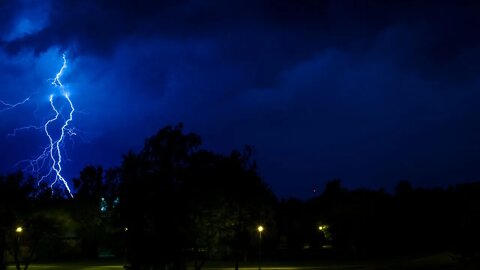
(175,197)
(151,209)
(90,193)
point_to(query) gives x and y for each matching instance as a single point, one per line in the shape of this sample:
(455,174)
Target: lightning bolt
(56,128)
(54,148)
(8,106)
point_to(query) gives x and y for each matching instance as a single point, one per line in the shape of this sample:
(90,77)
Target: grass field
(441,261)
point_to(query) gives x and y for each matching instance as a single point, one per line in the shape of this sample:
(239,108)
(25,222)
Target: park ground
(441,261)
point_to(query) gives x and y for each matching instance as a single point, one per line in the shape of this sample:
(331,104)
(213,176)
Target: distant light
(116,202)
(19,230)
(126,229)
(260,228)
(322,227)
(103,205)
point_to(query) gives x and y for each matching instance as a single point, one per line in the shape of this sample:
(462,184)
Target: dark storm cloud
(92,26)
(280,29)
(7,13)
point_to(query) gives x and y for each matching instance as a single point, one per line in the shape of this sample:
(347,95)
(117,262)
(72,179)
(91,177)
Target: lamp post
(18,232)
(260,230)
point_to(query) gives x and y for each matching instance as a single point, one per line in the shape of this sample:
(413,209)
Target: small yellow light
(260,228)
(19,230)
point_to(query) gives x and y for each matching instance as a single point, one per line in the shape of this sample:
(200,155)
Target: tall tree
(151,209)
(89,203)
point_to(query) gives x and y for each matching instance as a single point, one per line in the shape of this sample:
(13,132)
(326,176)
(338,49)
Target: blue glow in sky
(372,93)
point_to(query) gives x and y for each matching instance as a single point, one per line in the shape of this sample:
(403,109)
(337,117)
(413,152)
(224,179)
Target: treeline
(365,224)
(169,203)
(173,202)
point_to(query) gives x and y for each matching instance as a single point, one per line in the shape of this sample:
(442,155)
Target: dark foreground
(441,261)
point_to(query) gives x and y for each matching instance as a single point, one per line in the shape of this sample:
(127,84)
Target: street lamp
(260,230)
(18,231)
(323,228)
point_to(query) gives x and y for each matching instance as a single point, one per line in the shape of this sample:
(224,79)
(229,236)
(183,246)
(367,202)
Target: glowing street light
(323,228)
(260,229)
(16,250)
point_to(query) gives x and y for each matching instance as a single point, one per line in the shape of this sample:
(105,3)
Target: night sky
(371,92)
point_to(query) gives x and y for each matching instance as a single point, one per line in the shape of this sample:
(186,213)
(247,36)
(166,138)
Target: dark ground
(442,261)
